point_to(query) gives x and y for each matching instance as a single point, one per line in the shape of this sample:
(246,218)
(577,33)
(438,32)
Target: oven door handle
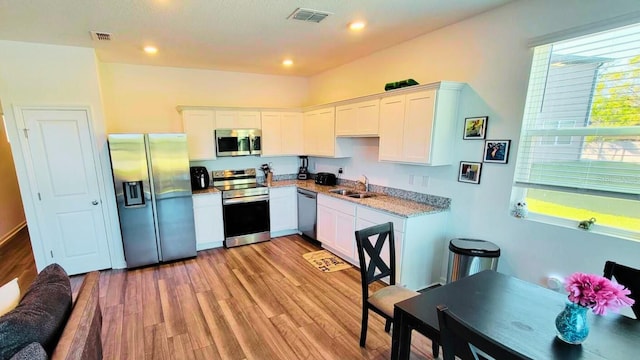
(246,199)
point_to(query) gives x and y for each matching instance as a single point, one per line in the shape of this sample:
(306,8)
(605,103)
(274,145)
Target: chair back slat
(368,270)
(456,336)
(629,278)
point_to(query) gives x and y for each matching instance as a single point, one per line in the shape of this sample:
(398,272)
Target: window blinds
(581,127)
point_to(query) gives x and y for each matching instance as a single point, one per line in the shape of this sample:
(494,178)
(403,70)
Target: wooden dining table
(514,312)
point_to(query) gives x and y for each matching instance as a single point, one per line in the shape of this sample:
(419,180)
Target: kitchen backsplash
(433,200)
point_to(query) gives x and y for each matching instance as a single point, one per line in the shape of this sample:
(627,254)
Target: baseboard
(275,234)
(13,232)
(208,245)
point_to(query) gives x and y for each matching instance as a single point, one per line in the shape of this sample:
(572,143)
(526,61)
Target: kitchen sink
(352,193)
(361,195)
(345,192)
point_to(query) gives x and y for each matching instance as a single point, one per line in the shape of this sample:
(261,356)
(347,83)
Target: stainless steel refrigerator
(153,193)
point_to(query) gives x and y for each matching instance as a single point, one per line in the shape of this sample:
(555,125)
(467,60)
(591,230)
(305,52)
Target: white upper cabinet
(281,133)
(416,125)
(391,128)
(419,127)
(237,119)
(319,134)
(199,126)
(358,119)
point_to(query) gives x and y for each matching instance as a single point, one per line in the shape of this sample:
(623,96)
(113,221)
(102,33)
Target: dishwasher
(307,213)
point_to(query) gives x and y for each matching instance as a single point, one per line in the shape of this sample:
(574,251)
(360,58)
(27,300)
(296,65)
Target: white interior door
(69,209)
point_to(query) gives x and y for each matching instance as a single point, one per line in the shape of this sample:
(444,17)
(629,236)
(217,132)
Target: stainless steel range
(245,207)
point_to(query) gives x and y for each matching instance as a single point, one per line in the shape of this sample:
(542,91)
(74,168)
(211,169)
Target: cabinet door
(368,117)
(418,126)
(226,119)
(309,133)
(291,134)
(283,209)
(234,119)
(271,134)
(392,113)
(207,211)
(248,120)
(198,125)
(319,132)
(326,225)
(346,123)
(345,240)
(325,127)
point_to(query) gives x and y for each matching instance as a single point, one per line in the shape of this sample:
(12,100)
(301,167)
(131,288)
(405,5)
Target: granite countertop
(209,190)
(391,204)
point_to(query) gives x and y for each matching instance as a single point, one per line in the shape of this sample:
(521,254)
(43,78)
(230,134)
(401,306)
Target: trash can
(470,256)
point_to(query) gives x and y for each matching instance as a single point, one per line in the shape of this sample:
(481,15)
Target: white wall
(489,52)
(142,98)
(47,75)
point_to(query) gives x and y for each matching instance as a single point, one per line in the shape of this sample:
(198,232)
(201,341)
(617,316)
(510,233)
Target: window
(579,151)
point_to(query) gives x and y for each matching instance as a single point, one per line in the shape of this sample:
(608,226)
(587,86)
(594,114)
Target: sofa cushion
(33,351)
(41,314)
(9,296)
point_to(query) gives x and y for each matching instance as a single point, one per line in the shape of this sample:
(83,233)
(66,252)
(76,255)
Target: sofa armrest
(81,336)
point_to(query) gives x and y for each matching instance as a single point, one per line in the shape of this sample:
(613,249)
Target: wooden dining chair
(381,301)
(455,333)
(629,278)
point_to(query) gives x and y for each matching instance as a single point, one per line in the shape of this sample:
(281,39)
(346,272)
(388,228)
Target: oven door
(246,220)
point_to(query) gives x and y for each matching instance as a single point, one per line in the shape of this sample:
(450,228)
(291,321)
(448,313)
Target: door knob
(95,202)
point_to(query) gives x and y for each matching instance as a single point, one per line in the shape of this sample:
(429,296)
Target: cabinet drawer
(200,200)
(342,206)
(378,217)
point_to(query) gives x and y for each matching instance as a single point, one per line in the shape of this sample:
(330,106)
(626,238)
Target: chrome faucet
(365,183)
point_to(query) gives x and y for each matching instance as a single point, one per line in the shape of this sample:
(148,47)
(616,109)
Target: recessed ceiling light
(357,25)
(287,62)
(150,49)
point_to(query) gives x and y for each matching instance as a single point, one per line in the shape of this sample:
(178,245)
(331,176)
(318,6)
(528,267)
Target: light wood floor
(16,260)
(262,301)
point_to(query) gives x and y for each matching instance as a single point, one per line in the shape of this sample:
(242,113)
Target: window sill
(596,229)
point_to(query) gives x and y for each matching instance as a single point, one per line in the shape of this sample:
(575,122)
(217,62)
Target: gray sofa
(47,324)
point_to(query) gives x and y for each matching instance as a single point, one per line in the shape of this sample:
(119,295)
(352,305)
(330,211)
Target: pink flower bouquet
(597,292)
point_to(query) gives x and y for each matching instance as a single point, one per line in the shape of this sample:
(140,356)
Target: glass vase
(571,324)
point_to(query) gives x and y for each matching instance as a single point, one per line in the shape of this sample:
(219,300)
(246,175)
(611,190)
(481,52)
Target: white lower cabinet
(336,226)
(419,240)
(420,243)
(283,210)
(207,212)
(368,217)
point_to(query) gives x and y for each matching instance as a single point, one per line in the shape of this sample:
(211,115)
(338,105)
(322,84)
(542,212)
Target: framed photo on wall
(469,172)
(475,128)
(496,151)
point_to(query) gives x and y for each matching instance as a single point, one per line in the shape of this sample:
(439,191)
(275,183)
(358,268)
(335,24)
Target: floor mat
(325,261)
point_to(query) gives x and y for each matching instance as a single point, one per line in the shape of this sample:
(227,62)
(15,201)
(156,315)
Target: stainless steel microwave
(238,142)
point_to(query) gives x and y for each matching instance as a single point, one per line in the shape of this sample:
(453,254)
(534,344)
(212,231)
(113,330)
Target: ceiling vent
(100,36)
(308,15)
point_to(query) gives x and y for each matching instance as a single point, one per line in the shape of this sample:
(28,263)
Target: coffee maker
(303,173)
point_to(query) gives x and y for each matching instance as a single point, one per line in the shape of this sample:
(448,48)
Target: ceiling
(233,35)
